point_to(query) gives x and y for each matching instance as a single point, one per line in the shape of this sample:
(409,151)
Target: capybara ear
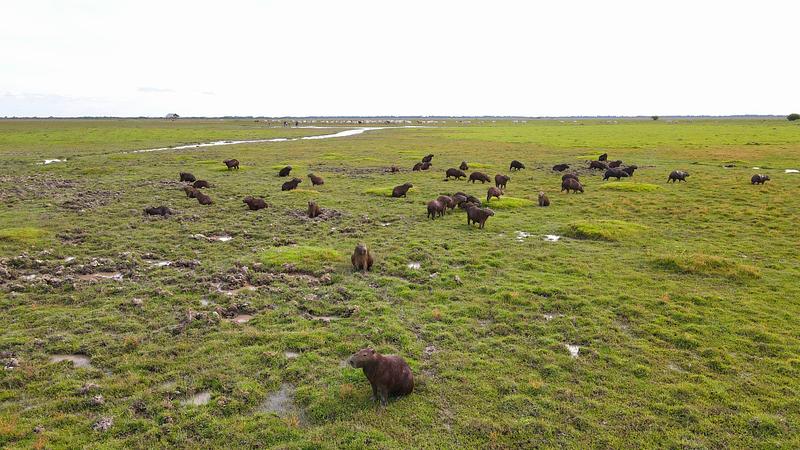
(372,350)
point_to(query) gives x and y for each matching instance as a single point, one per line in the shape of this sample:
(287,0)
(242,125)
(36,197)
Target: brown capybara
(630,169)
(677,175)
(478,215)
(459,198)
(463,166)
(501,180)
(428,158)
(447,201)
(615,173)
(603,157)
(400,191)
(425,166)
(478,176)
(455,173)
(417,167)
(388,375)
(543,200)
(190,191)
(571,184)
(598,165)
(493,192)
(187,177)
(436,209)
(316,180)
(394,169)
(516,165)
(291,184)
(158,211)
(313,210)
(231,163)
(201,184)
(613,164)
(361,259)
(569,175)
(759,179)
(560,167)
(202,198)
(285,171)
(255,203)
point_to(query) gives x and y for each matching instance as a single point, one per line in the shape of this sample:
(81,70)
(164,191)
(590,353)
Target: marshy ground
(637,314)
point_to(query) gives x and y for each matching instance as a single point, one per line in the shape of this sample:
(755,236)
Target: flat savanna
(637,314)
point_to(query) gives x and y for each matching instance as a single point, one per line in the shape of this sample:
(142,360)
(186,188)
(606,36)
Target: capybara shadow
(254,203)
(187,177)
(291,184)
(400,191)
(361,258)
(387,375)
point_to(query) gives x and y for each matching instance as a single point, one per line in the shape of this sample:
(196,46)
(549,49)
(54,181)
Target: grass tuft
(509,202)
(630,187)
(708,265)
(303,257)
(22,234)
(603,230)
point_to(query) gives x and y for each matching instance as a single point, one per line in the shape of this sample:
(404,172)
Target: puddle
(116,276)
(241,318)
(573,350)
(223,238)
(521,235)
(291,355)
(161,264)
(414,265)
(792,171)
(77,360)
(199,399)
(52,161)
(281,402)
(551,237)
(69,259)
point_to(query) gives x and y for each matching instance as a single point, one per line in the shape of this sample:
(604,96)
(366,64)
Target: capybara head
(541,194)
(362,357)
(361,249)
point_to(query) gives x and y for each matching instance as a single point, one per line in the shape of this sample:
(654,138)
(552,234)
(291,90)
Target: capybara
(615,173)
(388,375)
(543,200)
(463,166)
(435,208)
(569,175)
(501,180)
(417,167)
(447,201)
(313,210)
(425,166)
(571,184)
(400,191)
(478,176)
(190,191)
(612,164)
(603,157)
(200,184)
(456,173)
(478,215)
(361,258)
(285,171)
(459,199)
(232,163)
(159,211)
(428,158)
(677,175)
(186,176)
(516,165)
(759,179)
(255,203)
(493,192)
(394,169)
(560,167)
(630,169)
(598,165)
(316,180)
(202,198)
(291,184)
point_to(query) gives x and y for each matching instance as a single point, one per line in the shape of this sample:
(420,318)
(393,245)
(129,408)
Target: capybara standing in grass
(159,211)
(456,173)
(400,191)
(361,259)
(447,201)
(187,177)
(630,169)
(516,165)
(231,163)
(501,180)
(478,215)
(435,209)
(759,179)
(427,159)
(417,167)
(200,184)
(603,157)
(478,176)
(291,184)
(394,169)
(615,173)
(313,210)
(202,198)
(543,200)
(571,184)
(463,166)
(190,191)
(598,165)
(388,375)
(612,164)
(425,166)
(285,171)
(316,180)
(677,175)
(560,167)
(254,203)
(493,192)
(569,175)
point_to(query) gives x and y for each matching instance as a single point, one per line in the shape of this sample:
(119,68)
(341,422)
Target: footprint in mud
(76,360)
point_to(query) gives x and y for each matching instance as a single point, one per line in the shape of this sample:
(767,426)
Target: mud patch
(326,214)
(100,276)
(198,399)
(281,402)
(241,318)
(551,237)
(90,199)
(82,361)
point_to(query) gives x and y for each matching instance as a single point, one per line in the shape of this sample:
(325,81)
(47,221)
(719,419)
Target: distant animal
(361,258)
(417,167)
(255,203)
(478,215)
(232,163)
(190,191)
(202,198)
(425,166)
(394,169)
(569,175)
(598,165)
(516,165)
(291,184)
(316,180)
(186,176)
(459,198)
(560,167)
(447,201)
(603,157)
(313,210)
(285,171)
(571,184)
(400,191)
(501,180)
(677,175)
(630,169)
(543,200)
(428,158)
(388,375)
(759,179)
(456,173)
(478,176)
(158,211)
(493,192)
(463,166)
(612,164)
(436,209)
(200,184)
(615,173)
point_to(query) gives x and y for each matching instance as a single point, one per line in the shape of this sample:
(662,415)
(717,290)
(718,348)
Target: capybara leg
(374,392)
(384,396)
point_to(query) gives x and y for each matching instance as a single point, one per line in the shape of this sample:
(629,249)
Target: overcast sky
(299,58)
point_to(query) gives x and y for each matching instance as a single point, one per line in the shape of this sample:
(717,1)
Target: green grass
(604,230)
(509,202)
(709,265)
(629,186)
(22,235)
(303,257)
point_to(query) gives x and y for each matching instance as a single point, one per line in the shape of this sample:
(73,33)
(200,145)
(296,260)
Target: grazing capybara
(516,165)
(571,184)
(493,192)
(630,169)
(200,184)
(427,159)
(400,191)
(159,211)
(598,165)
(285,171)
(313,210)
(501,180)
(388,375)
(435,208)
(569,175)
(291,184)
(459,199)
(603,157)
(612,164)
(361,259)
(478,215)
(417,167)
(447,201)
(463,166)
(425,166)
(202,198)
(394,169)
(478,176)
(316,180)
(759,179)
(255,203)
(232,163)
(560,167)
(456,173)
(190,191)
(543,200)
(187,177)
(677,175)
(615,173)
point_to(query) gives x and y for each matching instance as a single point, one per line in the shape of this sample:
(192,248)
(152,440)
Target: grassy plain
(682,300)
